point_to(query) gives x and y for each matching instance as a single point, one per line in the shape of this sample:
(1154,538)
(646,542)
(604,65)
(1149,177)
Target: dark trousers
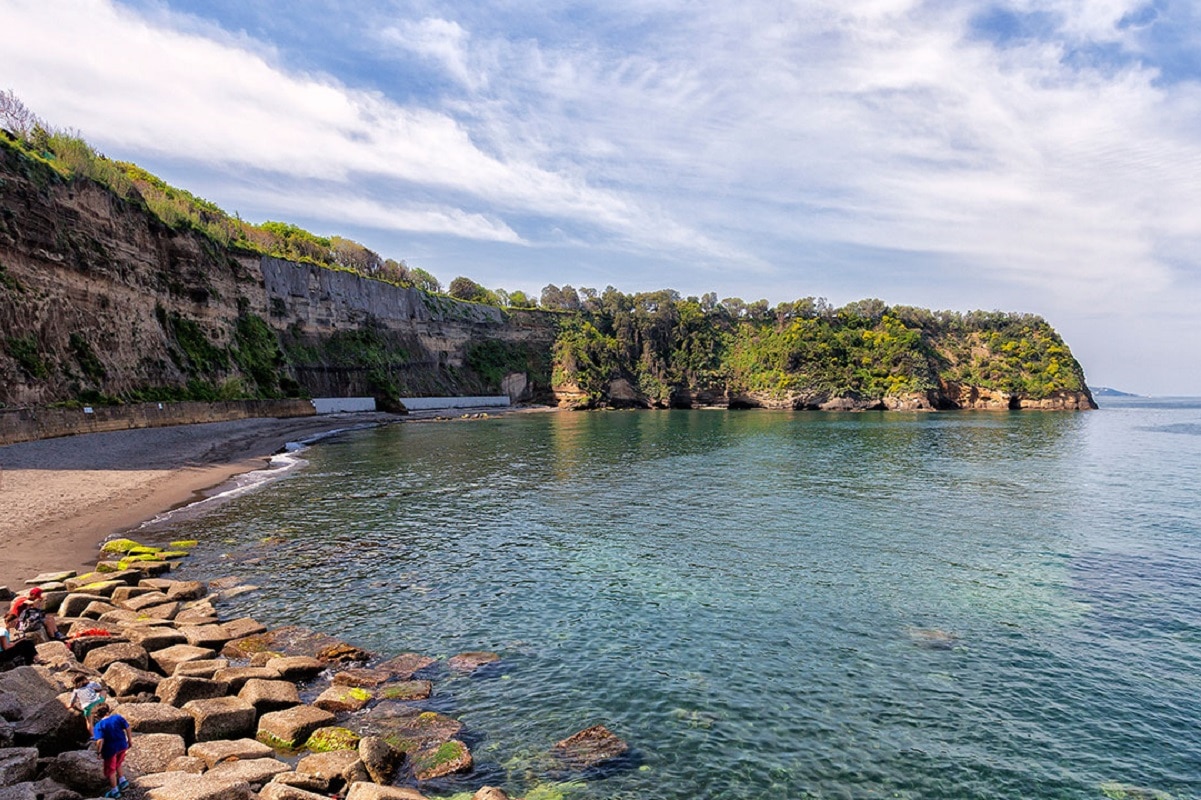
(19,653)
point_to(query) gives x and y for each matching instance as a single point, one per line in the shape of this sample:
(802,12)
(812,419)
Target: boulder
(179,690)
(470,662)
(83,645)
(126,680)
(406,690)
(102,658)
(296,668)
(197,616)
(292,727)
(124,593)
(267,696)
(171,657)
(44,721)
(79,770)
(215,752)
(56,655)
(186,590)
(405,665)
(213,636)
(310,783)
(198,787)
(97,609)
(381,759)
(20,791)
(440,760)
(373,791)
(362,678)
(590,747)
(221,718)
(331,765)
(164,611)
(202,668)
(236,677)
(10,707)
(18,764)
(252,770)
(157,718)
(343,698)
(154,752)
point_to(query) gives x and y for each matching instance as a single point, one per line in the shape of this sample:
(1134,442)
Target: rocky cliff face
(99,298)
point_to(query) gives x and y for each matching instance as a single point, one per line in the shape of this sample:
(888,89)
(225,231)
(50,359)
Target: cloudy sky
(1024,155)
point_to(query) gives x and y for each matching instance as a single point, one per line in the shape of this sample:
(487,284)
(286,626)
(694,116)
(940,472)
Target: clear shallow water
(769,605)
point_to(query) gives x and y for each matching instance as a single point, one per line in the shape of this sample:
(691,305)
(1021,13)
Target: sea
(763,604)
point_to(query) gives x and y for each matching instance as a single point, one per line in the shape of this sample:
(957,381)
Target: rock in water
(590,747)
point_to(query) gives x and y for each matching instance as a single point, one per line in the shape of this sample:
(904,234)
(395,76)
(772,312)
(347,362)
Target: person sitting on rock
(111,737)
(20,653)
(28,617)
(87,697)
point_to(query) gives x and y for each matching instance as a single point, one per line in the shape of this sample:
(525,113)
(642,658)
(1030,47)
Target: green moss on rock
(324,740)
(120,546)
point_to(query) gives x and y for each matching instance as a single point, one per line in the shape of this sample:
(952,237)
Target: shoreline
(62,497)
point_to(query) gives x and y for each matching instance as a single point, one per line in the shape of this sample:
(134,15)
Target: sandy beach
(59,498)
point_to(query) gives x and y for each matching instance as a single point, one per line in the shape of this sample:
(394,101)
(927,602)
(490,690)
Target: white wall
(337,405)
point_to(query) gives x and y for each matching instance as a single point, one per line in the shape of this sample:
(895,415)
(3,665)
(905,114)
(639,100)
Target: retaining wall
(27,424)
(429,403)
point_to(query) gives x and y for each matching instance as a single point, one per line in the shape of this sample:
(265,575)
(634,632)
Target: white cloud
(440,40)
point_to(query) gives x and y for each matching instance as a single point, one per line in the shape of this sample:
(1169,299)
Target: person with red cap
(28,617)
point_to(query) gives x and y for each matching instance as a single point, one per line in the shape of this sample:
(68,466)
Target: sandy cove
(59,498)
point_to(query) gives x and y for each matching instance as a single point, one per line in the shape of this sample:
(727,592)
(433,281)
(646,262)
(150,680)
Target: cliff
(101,302)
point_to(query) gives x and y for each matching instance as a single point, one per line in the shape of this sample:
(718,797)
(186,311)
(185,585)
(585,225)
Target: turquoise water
(768,605)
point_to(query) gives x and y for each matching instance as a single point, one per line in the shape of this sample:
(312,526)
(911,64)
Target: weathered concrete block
(372,791)
(214,636)
(96,609)
(343,698)
(214,752)
(102,658)
(187,764)
(186,590)
(199,787)
(329,766)
(282,791)
(154,752)
(381,759)
(221,718)
(404,665)
(236,677)
(123,593)
(179,690)
(243,626)
(267,695)
(171,657)
(79,770)
(442,759)
(362,678)
(154,637)
(73,604)
(202,668)
(124,679)
(144,601)
(157,718)
(291,727)
(296,668)
(253,770)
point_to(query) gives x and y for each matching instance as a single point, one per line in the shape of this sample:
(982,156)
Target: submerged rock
(590,747)
(470,662)
(437,761)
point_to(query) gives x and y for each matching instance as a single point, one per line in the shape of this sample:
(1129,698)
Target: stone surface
(169,658)
(44,721)
(267,695)
(79,770)
(18,764)
(154,637)
(126,680)
(282,791)
(73,604)
(372,791)
(161,611)
(323,740)
(236,677)
(404,665)
(97,608)
(213,753)
(102,658)
(343,698)
(590,747)
(19,791)
(157,718)
(293,726)
(381,759)
(470,662)
(296,668)
(440,760)
(362,678)
(124,593)
(179,690)
(301,780)
(330,766)
(407,728)
(490,793)
(294,640)
(199,787)
(56,655)
(83,645)
(242,627)
(187,764)
(154,752)
(213,636)
(252,770)
(221,718)
(406,690)
(145,601)
(202,668)
(186,590)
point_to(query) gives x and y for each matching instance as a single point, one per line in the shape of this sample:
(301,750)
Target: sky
(1039,156)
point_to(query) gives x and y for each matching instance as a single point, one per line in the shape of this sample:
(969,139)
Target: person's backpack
(30,619)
